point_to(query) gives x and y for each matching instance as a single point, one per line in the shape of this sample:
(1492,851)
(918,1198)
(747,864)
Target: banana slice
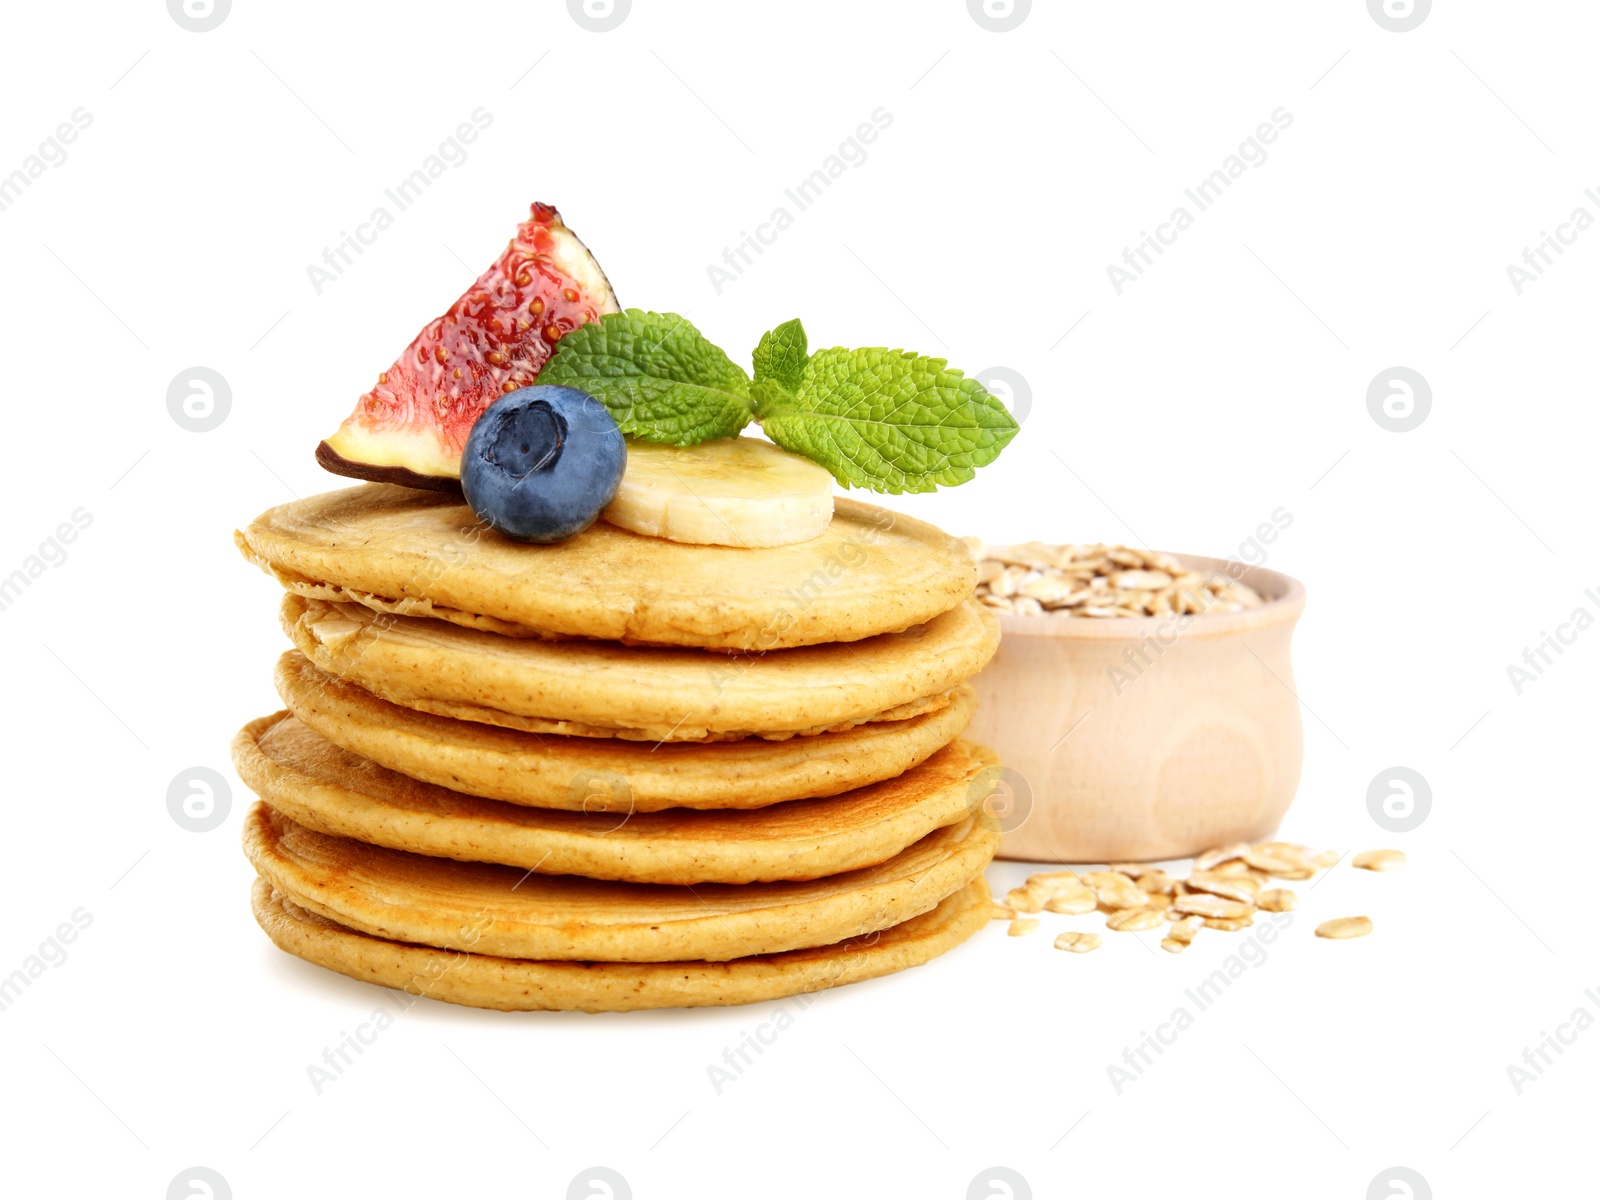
(728,492)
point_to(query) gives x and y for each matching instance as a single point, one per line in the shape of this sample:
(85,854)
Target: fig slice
(411,427)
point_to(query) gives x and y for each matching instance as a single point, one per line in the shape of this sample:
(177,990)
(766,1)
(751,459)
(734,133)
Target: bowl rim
(1285,601)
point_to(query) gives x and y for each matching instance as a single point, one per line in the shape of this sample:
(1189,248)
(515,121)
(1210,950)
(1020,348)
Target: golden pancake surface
(515,913)
(605,689)
(551,771)
(332,791)
(417,553)
(514,985)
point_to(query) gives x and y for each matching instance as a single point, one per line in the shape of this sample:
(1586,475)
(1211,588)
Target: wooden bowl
(1128,739)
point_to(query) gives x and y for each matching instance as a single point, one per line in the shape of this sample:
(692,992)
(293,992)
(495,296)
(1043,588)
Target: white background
(1228,381)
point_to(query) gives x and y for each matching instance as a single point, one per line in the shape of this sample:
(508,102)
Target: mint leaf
(781,355)
(888,420)
(656,375)
(780,363)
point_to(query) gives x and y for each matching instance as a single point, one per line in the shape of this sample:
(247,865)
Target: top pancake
(417,553)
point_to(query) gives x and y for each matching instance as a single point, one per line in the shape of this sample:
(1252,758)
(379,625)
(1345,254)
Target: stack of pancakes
(616,772)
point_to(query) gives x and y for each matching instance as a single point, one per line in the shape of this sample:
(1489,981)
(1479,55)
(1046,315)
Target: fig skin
(330,459)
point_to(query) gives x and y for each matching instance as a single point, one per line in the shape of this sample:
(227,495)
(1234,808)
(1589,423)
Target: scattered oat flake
(1379,860)
(1078,943)
(1073,905)
(1053,879)
(1157,883)
(1207,859)
(1292,849)
(1022,926)
(1229,924)
(1280,860)
(1345,927)
(1062,891)
(1232,887)
(1234,868)
(1001,912)
(1211,906)
(1115,890)
(1027,900)
(1135,920)
(1276,900)
(1173,946)
(1184,929)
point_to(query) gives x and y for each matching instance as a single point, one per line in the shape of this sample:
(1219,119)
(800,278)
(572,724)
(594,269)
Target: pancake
(518,985)
(513,913)
(416,553)
(604,689)
(549,771)
(332,791)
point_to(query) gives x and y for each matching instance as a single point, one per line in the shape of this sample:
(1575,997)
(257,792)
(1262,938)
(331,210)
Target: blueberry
(541,463)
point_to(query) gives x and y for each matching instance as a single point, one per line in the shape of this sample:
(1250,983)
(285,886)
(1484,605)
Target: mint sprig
(888,420)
